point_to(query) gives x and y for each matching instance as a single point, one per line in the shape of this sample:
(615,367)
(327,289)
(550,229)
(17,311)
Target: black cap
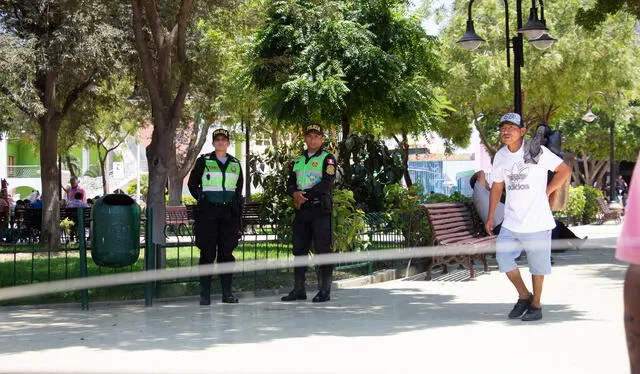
(222,132)
(314,127)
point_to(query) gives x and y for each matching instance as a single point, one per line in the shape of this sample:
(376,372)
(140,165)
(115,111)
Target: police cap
(314,127)
(222,132)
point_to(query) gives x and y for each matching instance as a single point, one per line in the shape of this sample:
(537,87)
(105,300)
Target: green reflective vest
(217,185)
(308,174)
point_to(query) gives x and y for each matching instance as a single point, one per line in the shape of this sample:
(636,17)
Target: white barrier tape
(249,266)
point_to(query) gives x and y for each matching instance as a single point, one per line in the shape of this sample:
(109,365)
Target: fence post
(149,255)
(84,293)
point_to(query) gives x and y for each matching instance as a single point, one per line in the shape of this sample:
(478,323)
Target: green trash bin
(115,231)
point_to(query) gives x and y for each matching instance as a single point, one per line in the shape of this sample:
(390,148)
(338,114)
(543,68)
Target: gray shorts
(509,246)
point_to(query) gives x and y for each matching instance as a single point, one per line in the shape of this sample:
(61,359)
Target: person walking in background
(621,189)
(528,220)
(216,182)
(74,189)
(628,250)
(310,183)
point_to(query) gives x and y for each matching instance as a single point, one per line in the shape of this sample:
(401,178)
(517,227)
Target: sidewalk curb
(385,275)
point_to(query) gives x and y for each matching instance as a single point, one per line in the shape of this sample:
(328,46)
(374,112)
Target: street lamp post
(535,30)
(590,117)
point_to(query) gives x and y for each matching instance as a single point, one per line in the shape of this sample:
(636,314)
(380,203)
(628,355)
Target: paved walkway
(392,327)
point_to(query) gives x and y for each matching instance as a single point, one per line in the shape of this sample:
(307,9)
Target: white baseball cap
(513,118)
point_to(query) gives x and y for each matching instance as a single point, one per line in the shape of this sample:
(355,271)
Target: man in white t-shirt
(528,220)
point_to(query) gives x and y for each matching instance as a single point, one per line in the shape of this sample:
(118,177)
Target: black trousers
(312,223)
(216,229)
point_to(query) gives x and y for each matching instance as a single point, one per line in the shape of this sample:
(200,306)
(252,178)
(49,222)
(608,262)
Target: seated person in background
(481,187)
(77,201)
(37,204)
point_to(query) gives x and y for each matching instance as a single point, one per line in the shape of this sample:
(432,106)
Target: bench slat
(456,224)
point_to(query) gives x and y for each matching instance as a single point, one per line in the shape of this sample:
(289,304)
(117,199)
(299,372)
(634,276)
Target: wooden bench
(458,224)
(606,213)
(251,214)
(179,220)
(72,215)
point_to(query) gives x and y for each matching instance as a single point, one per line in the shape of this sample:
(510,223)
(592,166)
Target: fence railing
(23,171)
(24,261)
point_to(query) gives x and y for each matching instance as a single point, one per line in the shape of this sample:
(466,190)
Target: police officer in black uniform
(216,182)
(310,184)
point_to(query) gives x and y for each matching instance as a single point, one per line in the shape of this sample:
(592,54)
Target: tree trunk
(50,179)
(167,87)
(174,182)
(70,166)
(404,147)
(101,160)
(175,189)
(157,159)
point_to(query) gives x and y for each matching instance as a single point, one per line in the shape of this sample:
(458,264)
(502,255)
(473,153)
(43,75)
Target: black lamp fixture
(470,40)
(535,30)
(545,40)
(534,27)
(590,117)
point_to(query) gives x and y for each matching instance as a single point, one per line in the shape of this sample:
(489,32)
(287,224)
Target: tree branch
(151,10)
(17,103)
(74,94)
(119,143)
(182,20)
(145,55)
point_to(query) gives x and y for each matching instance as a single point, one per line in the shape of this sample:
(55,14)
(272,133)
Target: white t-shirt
(527,206)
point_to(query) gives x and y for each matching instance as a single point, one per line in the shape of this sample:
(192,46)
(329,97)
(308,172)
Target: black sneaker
(520,308)
(532,314)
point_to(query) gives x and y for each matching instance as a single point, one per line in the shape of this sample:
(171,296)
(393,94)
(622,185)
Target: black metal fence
(24,261)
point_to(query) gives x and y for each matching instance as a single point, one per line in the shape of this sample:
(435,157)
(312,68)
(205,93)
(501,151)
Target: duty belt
(220,204)
(311,203)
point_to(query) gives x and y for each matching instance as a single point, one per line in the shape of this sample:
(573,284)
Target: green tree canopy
(591,17)
(555,82)
(356,63)
(52,52)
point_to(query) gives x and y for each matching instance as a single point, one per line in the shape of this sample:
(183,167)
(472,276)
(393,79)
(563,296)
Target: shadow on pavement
(363,312)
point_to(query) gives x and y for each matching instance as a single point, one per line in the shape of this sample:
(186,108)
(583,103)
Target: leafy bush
(373,167)
(591,206)
(144,186)
(271,170)
(455,197)
(257,197)
(188,200)
(348,222)
(403,204)
(575,204)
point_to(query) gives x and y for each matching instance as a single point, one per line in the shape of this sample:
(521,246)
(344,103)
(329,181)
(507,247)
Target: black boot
(324,293)
(227,296)
(205,290)
(299,292)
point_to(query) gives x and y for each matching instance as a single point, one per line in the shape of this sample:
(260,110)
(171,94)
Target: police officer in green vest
(310,184)
(216,182)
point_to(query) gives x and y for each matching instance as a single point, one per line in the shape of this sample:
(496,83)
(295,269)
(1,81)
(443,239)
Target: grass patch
(21,265)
